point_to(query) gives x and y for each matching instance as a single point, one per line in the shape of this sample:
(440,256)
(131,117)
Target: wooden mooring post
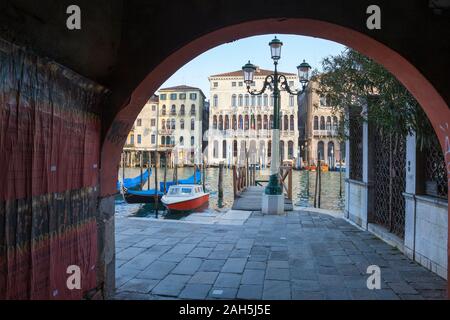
(220,186)
(140,166)
(156,183)
(149,165)
(165,172)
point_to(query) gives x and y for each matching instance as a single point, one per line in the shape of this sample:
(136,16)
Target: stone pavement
(302,255)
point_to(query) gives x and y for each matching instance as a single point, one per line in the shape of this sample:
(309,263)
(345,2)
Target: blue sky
(232,56)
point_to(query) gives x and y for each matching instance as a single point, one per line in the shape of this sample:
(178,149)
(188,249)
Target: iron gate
(389,178)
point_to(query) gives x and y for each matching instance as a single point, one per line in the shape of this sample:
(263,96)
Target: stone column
(410,195)
(106,247)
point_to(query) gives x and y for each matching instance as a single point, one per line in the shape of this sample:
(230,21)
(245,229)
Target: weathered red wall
(50,140)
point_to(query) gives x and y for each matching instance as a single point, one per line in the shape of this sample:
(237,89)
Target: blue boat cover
(150,192)
(134,182)
(190,180)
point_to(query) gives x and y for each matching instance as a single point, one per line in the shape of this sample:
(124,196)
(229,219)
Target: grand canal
(330,198)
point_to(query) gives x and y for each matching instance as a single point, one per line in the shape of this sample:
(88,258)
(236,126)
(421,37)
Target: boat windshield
(180,191)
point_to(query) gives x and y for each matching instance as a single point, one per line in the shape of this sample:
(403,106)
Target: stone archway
(432,102)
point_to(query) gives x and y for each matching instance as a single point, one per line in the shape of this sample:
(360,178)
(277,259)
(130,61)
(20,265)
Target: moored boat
(141,196)
(183,198)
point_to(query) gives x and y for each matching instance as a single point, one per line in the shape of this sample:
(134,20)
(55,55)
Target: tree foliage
(351,80)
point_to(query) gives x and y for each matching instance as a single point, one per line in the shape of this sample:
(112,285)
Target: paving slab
(246,255)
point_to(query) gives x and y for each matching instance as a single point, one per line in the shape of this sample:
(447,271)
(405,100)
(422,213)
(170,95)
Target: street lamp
(275,82)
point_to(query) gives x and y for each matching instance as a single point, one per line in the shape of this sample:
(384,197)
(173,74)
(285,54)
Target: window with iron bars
(356,145)
(435,173)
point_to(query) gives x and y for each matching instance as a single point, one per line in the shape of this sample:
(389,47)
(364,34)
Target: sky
(232,56)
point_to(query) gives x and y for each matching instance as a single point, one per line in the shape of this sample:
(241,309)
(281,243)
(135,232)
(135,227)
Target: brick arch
(431,101)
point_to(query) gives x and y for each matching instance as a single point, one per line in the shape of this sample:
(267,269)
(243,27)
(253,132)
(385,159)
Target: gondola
(141,196)
(133,183)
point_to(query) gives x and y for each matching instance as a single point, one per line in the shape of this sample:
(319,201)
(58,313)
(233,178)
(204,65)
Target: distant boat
(190,180)
(141,196)
(132,183)
(183,198)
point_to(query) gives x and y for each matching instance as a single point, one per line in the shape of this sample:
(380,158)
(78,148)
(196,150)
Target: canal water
(301,180)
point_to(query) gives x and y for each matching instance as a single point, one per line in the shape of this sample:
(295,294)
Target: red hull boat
(182,198)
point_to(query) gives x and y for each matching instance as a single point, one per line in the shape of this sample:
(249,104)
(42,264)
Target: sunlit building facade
(240,123)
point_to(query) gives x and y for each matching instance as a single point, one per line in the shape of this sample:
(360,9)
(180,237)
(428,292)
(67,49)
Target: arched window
(227,122)
(193,110)
(269,148)
(192,140)
(253,101)
(291,101)
(173,124)
(182,124)
(163,124)
(234,148)
(192,124)
(181,141)
(246,122)
(259,101)
(320,150)
(163,140)
(173,110)
(259,122)
(265,124)
(215,122)
(281,150)
(220,122)
(328,123)
(322,123)
(290,150)
(247,98)
(316,123)
(241,122)
(233,100)
(272,99)
(291,123)
(335,123)
(234,122)
(265,100)
(224,149)
(240,100)
(286,122)
(215,100)
(252,122)
(182,110)
(163,110)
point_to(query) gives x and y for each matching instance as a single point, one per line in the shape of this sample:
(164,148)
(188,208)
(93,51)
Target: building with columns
(170,124)
(142,136)
(241,123)
(318,129)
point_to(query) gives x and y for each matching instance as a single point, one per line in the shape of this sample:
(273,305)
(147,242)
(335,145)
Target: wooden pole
(149,165)
(156,182)
(175,174)
(316,185)
(340,173)
(123,167)
(220,186)
(195,173)
(204,175)
(165,172)
(320,184)
(290,184)
(235,182)
(140,166)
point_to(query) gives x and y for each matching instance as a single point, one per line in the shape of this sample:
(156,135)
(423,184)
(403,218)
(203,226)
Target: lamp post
(276,82)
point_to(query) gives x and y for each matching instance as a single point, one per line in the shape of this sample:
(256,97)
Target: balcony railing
(325,133)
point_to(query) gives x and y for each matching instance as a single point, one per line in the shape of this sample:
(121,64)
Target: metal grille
(435,170)
(389,178)
(356,148)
